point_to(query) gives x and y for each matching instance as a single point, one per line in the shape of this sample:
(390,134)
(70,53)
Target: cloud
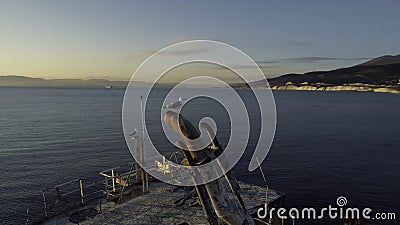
(315,59)
(186,51)
(307,59)
(248,67)
(361,58)
(268,64)
(259,62)
(299,43)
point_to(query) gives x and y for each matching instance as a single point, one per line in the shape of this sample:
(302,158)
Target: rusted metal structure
(216,205)
(222,201)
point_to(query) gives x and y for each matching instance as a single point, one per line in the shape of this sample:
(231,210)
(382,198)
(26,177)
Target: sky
(109,39)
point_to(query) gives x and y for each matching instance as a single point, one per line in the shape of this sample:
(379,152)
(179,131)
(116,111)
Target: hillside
(383,60)
(377,74)
(379,71)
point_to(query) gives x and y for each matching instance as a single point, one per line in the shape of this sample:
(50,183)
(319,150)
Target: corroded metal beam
(213,198)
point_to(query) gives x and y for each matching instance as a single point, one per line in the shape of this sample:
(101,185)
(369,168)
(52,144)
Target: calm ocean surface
(327,144)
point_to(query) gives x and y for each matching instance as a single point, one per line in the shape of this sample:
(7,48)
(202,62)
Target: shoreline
(286,87)
(344,87)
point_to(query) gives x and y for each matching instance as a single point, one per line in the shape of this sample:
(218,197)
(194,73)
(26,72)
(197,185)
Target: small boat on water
(108,86)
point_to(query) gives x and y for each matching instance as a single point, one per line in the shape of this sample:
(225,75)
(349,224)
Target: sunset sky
(109,39)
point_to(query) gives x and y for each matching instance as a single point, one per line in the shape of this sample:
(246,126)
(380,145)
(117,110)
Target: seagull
(133,134)
(175,105)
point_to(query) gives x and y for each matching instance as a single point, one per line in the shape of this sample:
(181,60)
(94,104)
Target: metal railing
(117,180)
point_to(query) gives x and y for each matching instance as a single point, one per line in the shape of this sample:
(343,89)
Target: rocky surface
(156,207)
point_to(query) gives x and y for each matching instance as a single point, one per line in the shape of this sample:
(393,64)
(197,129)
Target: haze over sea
(327,144)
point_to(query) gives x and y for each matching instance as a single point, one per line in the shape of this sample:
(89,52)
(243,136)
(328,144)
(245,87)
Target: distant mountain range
(380,74)
(18,81)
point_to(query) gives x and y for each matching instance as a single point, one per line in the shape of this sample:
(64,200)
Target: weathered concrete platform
(156,207)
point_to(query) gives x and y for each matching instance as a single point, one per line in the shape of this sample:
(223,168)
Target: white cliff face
(350,87)
(389,90)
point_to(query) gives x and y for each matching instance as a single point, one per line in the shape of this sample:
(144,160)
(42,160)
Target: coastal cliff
(381,74)
(346,87)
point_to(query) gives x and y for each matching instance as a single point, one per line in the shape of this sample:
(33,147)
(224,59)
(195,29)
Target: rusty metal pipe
(226,210)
